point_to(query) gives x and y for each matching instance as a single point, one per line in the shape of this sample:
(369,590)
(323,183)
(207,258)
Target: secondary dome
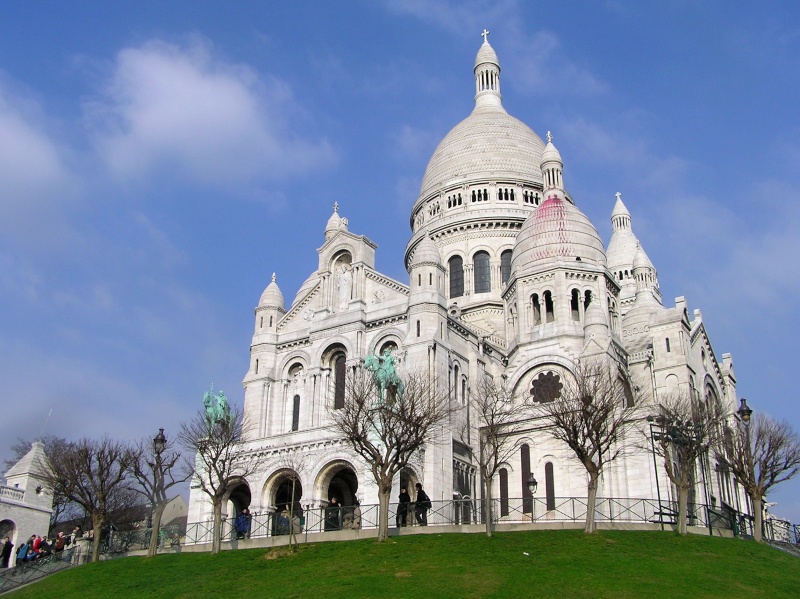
(272,296)
(489,143)
(426,252)
(557,229)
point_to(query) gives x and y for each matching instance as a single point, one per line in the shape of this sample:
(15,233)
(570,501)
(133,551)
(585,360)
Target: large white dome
(489,143)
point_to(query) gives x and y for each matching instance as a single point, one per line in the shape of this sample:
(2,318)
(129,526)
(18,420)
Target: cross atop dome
(336,207)
(549,137)
(485,35)
(618,195)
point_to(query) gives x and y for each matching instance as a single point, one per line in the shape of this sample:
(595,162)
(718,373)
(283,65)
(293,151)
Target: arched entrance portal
(288,492)
(285,492)
(408,479)
(7,529)
(343,486)
(239,497)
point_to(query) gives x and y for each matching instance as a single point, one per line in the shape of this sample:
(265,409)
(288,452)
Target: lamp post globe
(532,484)
(159,442)
(744,412)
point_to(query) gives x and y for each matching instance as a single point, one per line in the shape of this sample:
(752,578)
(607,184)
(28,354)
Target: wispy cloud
(179,111)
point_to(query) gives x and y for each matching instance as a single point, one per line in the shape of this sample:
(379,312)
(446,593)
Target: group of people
(422,504)
(37,547)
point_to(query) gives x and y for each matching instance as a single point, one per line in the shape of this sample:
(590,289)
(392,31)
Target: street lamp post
(159,446)
(650,420)
(745,413)
(532,485)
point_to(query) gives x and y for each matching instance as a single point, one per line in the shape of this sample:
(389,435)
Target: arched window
(549,486)
(503,492)
(574,304)
(525,470)
(483,274)
(456,265)
(339,373)
(587,299)
(549,308)
(296,413)
(505,266)
(455,381)
(537,310)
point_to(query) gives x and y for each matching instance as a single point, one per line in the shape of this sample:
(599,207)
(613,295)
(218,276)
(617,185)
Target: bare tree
(591,414)
(220,462)
(152,464)
(496,414)
(91,474)
(387,428)
(682,431)
(761,452)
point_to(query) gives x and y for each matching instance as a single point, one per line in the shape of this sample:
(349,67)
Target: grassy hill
(518,564)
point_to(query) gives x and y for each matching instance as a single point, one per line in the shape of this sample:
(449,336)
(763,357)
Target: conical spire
(272,296)
(487,76)
(620,217)
(552,167)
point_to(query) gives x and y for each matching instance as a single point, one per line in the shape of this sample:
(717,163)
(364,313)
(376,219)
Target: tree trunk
(98,519)
(383,510)
(591,501)
(487,505)
(152,549)
(758,523)
(683,508)
(216,537)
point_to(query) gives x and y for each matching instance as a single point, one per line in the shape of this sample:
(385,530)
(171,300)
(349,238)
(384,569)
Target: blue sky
(159,160)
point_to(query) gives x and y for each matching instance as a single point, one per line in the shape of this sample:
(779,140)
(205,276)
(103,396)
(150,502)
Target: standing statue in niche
(344,281)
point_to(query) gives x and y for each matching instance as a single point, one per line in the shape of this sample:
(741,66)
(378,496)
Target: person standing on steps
(421,506)
(402,507)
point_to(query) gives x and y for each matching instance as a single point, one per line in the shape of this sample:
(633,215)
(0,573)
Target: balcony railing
(11,493)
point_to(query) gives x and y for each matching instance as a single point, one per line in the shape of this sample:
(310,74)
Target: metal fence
(470,511)
(134,540)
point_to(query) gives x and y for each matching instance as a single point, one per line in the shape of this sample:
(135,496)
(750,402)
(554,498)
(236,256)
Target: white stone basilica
(507,277)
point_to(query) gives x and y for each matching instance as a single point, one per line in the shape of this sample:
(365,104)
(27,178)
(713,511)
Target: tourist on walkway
(242,524)
(5,553)
(421,506)
(402,507)
(333,515)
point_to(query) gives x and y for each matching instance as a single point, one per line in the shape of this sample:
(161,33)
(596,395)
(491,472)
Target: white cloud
(174,110)
(456,16)
(538,60)
(35,181)
(31,165)
(631,156)
(411,144)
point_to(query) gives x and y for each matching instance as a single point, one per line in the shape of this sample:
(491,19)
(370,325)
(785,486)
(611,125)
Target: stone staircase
(13,578)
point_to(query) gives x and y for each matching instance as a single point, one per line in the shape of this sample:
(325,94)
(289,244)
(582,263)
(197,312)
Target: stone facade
(508,278)
(25,503)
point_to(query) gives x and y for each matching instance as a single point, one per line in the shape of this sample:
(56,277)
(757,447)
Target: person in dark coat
(421,506)
(242,524)
(5,552)
(402,507)
(333,515)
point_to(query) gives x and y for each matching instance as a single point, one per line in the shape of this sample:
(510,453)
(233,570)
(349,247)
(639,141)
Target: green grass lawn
(519,564)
